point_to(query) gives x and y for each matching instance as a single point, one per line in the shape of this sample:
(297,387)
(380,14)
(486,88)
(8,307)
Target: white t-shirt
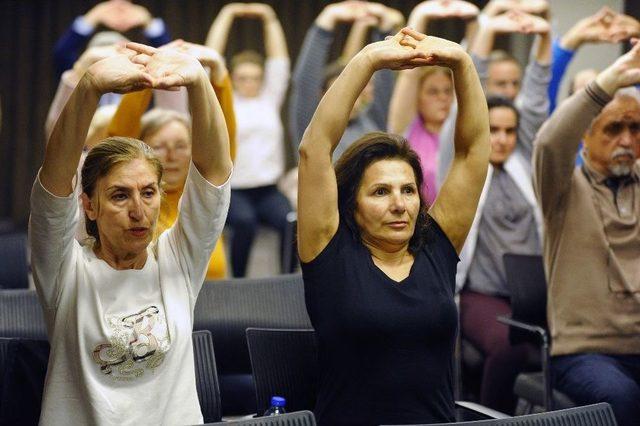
(259,133)
(121,349)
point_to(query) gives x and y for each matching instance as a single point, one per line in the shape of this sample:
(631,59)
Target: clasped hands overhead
(138,66)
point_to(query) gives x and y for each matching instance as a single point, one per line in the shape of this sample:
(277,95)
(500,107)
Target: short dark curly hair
(350,169)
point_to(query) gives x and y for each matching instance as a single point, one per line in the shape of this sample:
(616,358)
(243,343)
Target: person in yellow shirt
(168,132)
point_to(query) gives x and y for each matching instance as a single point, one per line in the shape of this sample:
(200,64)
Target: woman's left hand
(168,67)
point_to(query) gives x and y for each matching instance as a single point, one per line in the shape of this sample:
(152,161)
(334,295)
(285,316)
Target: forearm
(355,40)
(275,41)
(224,93)
(67,83)
(471,130)
(68,137)
(332,116)
(209,134)
(561,59)
(307,79)
(483,42)
(403,105)
(219,31)
(533,104)
(542,46)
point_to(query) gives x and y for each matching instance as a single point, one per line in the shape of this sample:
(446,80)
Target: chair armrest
(481,410)
(526,327)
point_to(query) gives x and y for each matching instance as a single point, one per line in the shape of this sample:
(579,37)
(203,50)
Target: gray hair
(156,118)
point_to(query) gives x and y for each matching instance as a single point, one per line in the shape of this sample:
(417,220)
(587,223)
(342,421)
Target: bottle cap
(277,401)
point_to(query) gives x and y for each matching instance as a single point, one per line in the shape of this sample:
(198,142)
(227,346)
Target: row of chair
(283,362)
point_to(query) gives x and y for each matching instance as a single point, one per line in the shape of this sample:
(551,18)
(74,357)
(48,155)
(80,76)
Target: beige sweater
(591,249)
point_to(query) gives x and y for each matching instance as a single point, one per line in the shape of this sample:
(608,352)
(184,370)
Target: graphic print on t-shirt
(137,342)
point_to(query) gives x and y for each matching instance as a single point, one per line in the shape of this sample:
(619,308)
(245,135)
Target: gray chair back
(21,315)
(588,415)
(13,261)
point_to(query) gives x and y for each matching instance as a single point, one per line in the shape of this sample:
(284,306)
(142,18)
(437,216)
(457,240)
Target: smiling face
(503,125)
(172,145)
(125,206)
(613,142)
(387,204)
(434,99)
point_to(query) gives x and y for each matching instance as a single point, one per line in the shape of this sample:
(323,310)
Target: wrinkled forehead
(135,174)
(624,109)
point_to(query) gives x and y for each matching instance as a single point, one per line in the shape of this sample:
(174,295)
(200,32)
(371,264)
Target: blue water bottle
(277,406)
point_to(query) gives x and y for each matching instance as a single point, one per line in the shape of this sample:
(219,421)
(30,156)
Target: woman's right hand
(392,54)
(435,50)
(119,74)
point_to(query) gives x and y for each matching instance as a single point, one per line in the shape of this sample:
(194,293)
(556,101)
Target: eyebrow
(128,188)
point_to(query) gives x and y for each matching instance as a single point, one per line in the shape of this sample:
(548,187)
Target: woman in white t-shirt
(259,88)
(119,309)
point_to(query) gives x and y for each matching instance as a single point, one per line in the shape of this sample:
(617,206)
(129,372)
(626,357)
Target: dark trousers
(249,208)
(591,378)
(502,361)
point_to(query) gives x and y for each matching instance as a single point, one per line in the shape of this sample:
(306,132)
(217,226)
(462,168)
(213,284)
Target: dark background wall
(29,29)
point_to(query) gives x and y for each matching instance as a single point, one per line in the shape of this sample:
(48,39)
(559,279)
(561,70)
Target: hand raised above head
(438,51)
(623,27)
(118,74)
(387,18)
(624,72)
(518,22)
(168,67)
(497,7)
(391,54)
(207,56)
(443,9)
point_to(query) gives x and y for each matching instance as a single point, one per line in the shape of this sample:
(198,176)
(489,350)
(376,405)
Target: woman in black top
(378,268)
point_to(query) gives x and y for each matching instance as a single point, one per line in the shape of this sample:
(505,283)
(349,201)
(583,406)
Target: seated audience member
(422,97)
(313,75)
(259,90)
(592,239)
(378,267)
(508,220)
(117,15)
(604,26)
(119,309)
(168,132)
(502,75)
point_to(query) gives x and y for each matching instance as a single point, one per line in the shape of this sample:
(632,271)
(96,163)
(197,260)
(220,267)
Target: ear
(89,208)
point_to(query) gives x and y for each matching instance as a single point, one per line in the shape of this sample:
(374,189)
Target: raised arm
(455,206)
(402,108)
(219,31)
(114,74)
(209,137)
(557,142)
(386,19)
(318,215)
(308,73)
(275,42)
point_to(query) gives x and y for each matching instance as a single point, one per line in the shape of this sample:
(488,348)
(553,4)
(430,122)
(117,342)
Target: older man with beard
(591,217)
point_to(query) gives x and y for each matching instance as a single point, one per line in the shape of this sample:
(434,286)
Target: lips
(138,231)
(397,225)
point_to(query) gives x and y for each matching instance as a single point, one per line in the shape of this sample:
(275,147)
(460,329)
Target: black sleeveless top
(385,347)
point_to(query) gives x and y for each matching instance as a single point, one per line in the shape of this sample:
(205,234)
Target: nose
(626,139)
(135,208)
(398,203)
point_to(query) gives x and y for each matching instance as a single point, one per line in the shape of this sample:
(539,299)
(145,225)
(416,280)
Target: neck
(432,127)
(120,261)
(388,254)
